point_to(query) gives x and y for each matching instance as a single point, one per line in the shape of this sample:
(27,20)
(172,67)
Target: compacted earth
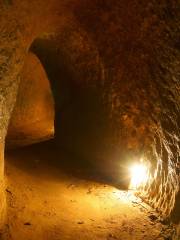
(52,197)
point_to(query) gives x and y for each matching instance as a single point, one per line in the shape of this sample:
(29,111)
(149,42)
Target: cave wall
(114,71)
(18,28)
(32,119)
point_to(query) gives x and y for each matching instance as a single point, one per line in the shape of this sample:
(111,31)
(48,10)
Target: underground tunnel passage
(90,116)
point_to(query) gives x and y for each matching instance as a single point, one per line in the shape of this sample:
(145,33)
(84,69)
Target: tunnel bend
(32,119)
(75,70)
(81,90)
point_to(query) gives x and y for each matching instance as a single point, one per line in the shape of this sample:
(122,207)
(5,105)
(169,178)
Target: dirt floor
(48,200)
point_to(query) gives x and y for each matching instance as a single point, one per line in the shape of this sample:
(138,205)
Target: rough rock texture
(114,69)
(18,28)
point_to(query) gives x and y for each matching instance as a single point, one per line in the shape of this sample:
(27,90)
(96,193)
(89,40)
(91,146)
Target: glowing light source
(139,174)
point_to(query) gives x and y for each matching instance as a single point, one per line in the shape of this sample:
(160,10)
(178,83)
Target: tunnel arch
(148,75)
(74,69)
(156,136)
(85,89)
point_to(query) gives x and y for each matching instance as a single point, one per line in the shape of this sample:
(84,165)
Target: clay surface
(114,69)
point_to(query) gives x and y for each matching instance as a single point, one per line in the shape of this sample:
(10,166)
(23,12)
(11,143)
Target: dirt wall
(117,97)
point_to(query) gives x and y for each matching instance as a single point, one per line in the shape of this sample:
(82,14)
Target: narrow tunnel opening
(47,178)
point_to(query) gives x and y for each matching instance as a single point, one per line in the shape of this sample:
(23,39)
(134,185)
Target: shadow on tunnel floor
(47,155)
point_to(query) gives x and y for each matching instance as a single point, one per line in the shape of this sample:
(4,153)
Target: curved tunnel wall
(138,45)
(32,119)
(122,64)
(161,155)
(132,108)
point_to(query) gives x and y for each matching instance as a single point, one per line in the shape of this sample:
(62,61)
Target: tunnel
(89,120)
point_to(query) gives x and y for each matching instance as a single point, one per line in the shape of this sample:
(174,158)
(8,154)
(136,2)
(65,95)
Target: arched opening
(54,192)
(86,114)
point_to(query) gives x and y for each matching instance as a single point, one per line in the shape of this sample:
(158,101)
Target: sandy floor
(51,201)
